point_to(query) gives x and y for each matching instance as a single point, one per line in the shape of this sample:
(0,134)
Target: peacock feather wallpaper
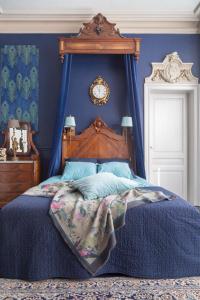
(19,84)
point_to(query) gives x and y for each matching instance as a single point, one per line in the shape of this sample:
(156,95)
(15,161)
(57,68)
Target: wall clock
(99,91)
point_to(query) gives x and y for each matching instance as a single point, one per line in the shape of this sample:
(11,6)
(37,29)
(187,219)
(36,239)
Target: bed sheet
(159,240)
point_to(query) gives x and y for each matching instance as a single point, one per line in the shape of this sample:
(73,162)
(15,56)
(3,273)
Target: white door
(167,155)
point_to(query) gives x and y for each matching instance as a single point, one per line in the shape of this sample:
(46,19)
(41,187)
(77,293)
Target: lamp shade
(13,123)
(70,122)
(127,122)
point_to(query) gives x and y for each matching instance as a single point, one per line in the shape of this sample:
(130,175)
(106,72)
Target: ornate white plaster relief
(172,70)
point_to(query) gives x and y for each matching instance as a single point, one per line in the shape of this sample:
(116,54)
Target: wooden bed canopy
(97,141)
(99,37)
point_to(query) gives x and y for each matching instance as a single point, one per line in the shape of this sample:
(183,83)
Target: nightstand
(17,176)
(21,170)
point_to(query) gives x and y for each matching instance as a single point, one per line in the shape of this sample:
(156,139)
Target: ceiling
(94,5)
(143,16)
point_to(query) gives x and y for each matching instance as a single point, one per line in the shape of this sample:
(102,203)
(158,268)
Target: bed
(159,240)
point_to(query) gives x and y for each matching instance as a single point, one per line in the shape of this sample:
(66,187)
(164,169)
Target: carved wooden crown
(99,27)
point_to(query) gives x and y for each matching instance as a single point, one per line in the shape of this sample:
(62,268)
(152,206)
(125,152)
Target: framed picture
(20,138)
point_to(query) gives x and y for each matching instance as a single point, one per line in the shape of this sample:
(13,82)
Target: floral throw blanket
(88,226)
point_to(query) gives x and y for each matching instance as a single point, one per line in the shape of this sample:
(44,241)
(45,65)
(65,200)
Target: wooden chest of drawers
(16,177)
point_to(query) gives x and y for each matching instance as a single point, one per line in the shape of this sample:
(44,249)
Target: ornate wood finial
(98,124)
(99,27)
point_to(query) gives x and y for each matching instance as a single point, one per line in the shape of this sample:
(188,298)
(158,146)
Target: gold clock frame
(99,101)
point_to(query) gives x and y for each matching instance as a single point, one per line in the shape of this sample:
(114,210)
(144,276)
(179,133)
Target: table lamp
(126,123)
(70,124)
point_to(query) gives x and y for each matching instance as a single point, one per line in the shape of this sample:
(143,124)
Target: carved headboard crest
(98,125)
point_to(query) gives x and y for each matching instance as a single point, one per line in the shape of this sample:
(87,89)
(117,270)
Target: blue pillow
(50,180)
(102,185)
(77,169)
(120,169)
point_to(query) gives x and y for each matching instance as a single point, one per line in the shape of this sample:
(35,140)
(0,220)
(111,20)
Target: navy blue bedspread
(159,240)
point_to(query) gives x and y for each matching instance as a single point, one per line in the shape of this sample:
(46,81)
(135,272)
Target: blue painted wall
(84,71)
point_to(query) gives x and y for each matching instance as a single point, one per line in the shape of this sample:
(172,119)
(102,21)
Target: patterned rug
(122,288)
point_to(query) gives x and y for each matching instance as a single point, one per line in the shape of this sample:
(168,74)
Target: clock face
(99,91)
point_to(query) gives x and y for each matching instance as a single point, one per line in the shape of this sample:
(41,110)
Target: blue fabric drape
(134,107)
(55,161)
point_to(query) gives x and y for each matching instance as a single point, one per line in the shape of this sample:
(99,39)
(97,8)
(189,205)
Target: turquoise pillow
(50,180)
(102,185)
(120,169)
(77,169)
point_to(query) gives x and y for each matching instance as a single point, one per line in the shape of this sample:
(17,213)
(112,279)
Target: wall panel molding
(197,14)
(183,22)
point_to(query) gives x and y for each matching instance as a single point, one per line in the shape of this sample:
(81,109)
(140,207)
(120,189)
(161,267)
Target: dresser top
(16,161)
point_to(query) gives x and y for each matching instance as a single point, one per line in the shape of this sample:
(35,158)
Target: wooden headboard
(97,141)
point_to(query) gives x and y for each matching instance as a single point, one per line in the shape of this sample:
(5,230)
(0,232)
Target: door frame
(193,91)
